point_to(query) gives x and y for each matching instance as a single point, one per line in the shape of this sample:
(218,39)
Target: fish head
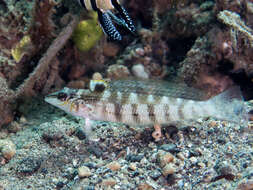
(72,101)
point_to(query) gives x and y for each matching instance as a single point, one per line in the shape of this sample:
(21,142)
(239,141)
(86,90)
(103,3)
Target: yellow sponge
(87,33)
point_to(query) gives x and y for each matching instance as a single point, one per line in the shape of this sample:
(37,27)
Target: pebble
(14,127)
(213,124)
(3,133)
(245,185)
(134,158)
(139,71)
(132,166)
(145,186)
(109,182)
(193,160)
(164,158)
(226,170)
(172,148)
(29,165)
(155,174)
(97,76)
(117,71)
(181,156)
(114,166)
(168,169)
(201,164)
(80,134)
(7,149)
(23,120)
(84,171)
(52,135)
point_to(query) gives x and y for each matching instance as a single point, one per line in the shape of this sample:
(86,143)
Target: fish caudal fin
(230,106)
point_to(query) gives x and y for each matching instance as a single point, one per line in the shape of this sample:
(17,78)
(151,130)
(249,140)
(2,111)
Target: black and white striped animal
(106,17)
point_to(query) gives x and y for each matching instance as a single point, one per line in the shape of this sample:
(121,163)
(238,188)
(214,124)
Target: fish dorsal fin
(157,88)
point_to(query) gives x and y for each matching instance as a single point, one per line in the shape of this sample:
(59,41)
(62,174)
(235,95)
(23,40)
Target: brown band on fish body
(113,96)
(77,103)
(181,110)
(104,112)
(166,109)
(118,114)
(151,113)
(136,116)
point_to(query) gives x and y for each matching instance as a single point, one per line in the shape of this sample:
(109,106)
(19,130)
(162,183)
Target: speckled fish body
(147,102)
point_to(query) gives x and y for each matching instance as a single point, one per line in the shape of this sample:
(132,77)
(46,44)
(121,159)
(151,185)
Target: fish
(148,102)
(106,17)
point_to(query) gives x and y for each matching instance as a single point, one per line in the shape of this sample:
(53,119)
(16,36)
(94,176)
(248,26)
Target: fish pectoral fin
(91,136)
(107,26)
(124,15)
(116,19)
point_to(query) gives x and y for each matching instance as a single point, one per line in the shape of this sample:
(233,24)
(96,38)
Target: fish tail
(230,106)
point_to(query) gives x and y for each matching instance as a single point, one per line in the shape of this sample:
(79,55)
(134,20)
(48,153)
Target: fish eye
(62,96)
(99,88)
(97,85)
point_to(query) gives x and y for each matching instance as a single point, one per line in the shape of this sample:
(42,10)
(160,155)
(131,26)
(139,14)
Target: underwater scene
(126,95)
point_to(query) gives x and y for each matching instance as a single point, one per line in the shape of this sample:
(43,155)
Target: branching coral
(45,61)
(234,21)
(8,96)
(42,28)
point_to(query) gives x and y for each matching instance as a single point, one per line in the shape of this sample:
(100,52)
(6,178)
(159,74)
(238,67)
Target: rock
(110,49)
(52,135)
(117,71)
(84,171)
(114,166)
(164,158)
(245,185)
(181,156)
(134,158)
(172,148)
(132,166)
(7,149)
(225,170)
(145,186)
(97,76)
(14,127)
(23,120)
(193,160)
(155,174)
(29,165)
(168,169)
(80,134)
(109,182)
(139,71)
